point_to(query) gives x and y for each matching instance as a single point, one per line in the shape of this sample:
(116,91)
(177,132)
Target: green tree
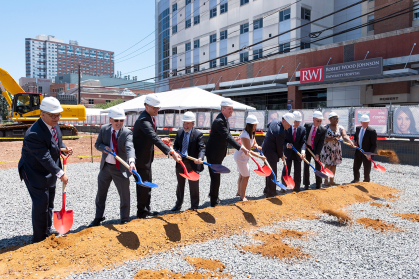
(3,106)
(110,104)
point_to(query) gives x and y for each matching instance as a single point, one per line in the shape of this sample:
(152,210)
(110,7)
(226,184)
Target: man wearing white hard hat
(117,138)
(40,165)
(273,148)
(316,134)
(216,149)
(365,138)
(144,138)
(190,142)
(295,137)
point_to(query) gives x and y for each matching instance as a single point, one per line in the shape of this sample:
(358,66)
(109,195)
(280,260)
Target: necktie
(361,136)
(54,135)
(313,135)
(185,144)
(154,122)
(115,147)
(294,134)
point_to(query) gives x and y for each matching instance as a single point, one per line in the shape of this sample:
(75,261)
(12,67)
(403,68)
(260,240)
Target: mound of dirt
(389,153)
(343,218)
(378,225)
(212,265)
(408,216)
(166,274)
(379,204)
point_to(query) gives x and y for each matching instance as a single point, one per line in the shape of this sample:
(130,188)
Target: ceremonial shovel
(316,172)
(216,168)
(287,178)
(275,180)
(265,171)
(327,172)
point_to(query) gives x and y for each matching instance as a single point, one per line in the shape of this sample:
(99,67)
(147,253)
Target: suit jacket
(219,138)
(369,141)
(274,139)
(41,155)
(299,143)
(318,138)
(124,145)
(144,139)
(196,147)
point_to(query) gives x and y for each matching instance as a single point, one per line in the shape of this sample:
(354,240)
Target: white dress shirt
(292,133)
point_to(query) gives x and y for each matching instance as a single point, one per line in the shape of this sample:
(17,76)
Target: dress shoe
(355,181)
(175,208)
(306,187)
(148,214)
(124,222)
(192,208)
(96,222)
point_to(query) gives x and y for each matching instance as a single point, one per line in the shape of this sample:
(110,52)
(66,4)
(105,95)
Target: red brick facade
(56,88)
(396,23)
(391,88)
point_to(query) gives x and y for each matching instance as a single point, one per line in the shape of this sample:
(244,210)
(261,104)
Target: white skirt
(242,161)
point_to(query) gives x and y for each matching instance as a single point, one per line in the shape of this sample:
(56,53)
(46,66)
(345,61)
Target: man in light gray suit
(114,137)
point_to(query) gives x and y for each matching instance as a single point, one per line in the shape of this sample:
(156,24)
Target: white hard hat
(298,116)
(189,116)
(251,119)
(152,100)
(290,118)
(333,114)
(227,102)
(117,113)
(318,114)
(51,104)
(365,118)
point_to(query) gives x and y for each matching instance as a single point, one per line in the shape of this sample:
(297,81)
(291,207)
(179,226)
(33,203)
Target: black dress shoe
(192,208)
(96,222)
(148,214)
(355,181)
(176,208)
(306,187)
(124,222)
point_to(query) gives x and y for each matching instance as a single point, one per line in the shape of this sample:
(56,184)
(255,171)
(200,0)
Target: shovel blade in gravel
(378,167)
(289,181)
(63,219)
(282,186)
(328,172)
(219,168)
(193,176)
(148,184)
(320,174)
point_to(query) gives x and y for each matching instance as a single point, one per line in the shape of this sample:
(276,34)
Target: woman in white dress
(248,140)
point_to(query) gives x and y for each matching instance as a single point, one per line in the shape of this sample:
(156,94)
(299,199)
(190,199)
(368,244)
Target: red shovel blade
(63,219)
(260,171)
(190,175)
(327,172)
(378,167)
(289,181)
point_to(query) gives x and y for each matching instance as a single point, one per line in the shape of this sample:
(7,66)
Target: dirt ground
(83,148)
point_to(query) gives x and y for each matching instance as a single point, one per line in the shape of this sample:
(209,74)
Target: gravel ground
(336,251)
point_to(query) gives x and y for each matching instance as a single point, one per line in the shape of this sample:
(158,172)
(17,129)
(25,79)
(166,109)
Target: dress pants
(42,207)
(144,194)
(297,172)
(270,186)
(108,173)
(215,181)
(181,181)
(307,168)
(358,161)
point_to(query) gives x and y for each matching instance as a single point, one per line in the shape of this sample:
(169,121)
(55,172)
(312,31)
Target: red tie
(154,122)
(115,145)
(54,135)
(294,134)
(312,136)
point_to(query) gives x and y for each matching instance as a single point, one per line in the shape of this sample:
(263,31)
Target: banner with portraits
(343,115)
(168,120)
(260,116)
(378,118)
(204,120)
(406,121)
(237,121)
(178,120)
(159,120)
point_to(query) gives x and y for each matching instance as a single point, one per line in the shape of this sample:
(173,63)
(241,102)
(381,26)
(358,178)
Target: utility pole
(79,100)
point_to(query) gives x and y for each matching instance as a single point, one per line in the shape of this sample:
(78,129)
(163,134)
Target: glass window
(196,68)
(174,72)
(174,7)
(213,12)
(305,14)
(223,35)
(187,46)
(242,2)
(258,23)
(213,38)
(188,23)
(223,8)
(188,70)
(196,44)
(284,15)
(213,63)
(415,15)
(174,29)
(370,26)
(284,48)
(244,56)
(257,53)
(196,19)
(223,61)
(244,28)
(91,101)
(187,2)
(304,45)
(174,50)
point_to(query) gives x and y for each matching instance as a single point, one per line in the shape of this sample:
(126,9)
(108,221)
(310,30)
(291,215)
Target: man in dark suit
(114,137)
(366,139)
(272,148)
(144,139)
(295,136)
(190,142)
(217,143)
(315,135)
(40,165)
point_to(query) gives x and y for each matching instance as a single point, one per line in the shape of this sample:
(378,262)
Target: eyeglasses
(155,108)
(54,116)
(118,120)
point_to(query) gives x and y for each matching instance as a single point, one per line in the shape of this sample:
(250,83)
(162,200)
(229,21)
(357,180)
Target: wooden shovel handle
(299,154)
(312,154)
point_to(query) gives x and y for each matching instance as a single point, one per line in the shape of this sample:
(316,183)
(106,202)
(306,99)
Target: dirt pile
(390,153)
(166,274)
(408,216)
(211,265)
(378,225)
(111,245)
(343,218)
(379,204)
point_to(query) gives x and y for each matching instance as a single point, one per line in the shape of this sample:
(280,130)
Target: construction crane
(24,108)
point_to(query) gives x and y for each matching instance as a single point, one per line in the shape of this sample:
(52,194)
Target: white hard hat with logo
(333,114)
(318,114)
(365,118)
(251,119)
(189,116)
(227,102)
(51,104)
(290,118)
(298,116)
(117,113)
(152,100)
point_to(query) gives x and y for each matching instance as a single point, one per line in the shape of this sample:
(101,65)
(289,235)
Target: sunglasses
(54,116)
(118,120)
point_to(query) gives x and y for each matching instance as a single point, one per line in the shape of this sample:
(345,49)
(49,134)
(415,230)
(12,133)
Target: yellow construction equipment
(24,108)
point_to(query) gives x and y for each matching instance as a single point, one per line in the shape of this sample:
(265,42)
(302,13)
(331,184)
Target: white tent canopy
(183,99)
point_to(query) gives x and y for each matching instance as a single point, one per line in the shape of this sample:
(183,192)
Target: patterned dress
(332,152)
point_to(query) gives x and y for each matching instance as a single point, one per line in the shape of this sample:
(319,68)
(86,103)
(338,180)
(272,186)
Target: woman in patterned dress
(331,154)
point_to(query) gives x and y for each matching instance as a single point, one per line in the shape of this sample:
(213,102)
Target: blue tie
(185,144)
(361,136)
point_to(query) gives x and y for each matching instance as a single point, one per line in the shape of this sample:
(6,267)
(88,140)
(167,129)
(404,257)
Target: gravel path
(336,251)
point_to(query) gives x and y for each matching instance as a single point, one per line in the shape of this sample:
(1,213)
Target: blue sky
(108,25)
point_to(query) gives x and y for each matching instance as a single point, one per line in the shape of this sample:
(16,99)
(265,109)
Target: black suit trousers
(358,161)
(143,194)
(297,172)
(181,181)
(270,186)
(215,181)
(306,180)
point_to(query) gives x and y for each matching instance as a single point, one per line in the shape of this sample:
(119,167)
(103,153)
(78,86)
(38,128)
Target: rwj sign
(315,74)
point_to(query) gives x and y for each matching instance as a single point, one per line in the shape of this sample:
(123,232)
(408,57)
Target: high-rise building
(47,57)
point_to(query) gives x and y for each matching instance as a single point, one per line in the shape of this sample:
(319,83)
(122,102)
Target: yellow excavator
(24,108)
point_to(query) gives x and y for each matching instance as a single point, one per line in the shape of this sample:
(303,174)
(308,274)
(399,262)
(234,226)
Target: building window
(244,56)
(257,53)
(187,2)
(284,48)
(244,28)
(213,12)
(304,45)
(107,101)
(223,8)
(188,70)
(258,23)
(187,46)
(223,61)
(174,7)
(91,101)
(242,2)
(284,15)
(187,23)
(196,68)
(174,29)
(371,20)
(174,72)
(174,50)
(223,35)
(196,19)
(196,44)
(213,38)
(305,14)
(213,63)
(415,15)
